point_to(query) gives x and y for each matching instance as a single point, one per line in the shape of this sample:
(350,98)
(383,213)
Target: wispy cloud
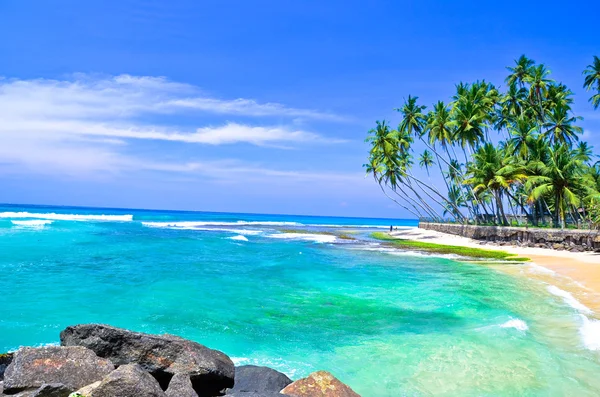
(86,96)
(90,125)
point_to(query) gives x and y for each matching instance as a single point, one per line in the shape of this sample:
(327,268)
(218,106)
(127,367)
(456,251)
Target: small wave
(34,223)
(237,223)
(238,238)
(590,333)
(291,369)
(318,238)
(67,217)
(569,299)
(516,324)
(540,269)
(360,226)
(374,247)
(178,226)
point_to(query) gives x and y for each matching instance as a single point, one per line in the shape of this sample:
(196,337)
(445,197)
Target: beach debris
(252,378)
(74,367)
(319,384)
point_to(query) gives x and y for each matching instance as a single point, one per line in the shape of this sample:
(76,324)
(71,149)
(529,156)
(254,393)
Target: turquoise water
(273,290)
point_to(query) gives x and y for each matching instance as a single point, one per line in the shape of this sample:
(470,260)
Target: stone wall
(572,240)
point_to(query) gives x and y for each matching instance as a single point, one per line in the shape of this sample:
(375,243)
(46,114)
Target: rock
(52,390)
(73,366)
(319,384)
(164,356)
(181,386)
(255,394)
(5,360)
(1,387)
(128,381)
(251,378)
(87,390)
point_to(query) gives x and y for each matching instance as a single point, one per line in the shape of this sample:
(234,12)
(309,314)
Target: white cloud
(89,126)
(124,96)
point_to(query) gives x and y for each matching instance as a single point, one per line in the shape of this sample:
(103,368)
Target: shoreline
(575,272)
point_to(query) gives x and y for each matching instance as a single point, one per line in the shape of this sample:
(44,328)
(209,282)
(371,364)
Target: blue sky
(243,106)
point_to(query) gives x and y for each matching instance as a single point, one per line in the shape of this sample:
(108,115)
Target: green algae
(468,252)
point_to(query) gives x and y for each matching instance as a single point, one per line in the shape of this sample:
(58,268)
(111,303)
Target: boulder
(5,360)
(319,384)
(87,390)
(52,390)
(181,386)
(73,366)
(163,356)
(251,378)
(128,381)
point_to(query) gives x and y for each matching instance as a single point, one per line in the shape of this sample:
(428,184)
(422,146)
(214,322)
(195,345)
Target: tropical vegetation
(512,155)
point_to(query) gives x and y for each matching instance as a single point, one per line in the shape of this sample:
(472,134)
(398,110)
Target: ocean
(298,294)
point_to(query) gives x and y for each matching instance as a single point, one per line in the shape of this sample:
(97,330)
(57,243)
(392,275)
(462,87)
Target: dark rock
(1,387)
(251,378)
(52,390)
(163,356)
(5,360)
(181,386)
(73,366)
(128,381)
(319,384)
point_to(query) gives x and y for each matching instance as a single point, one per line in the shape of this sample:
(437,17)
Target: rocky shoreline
(95,360)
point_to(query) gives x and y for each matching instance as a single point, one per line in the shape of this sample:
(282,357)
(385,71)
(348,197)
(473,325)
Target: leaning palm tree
(592,81)
(538,85)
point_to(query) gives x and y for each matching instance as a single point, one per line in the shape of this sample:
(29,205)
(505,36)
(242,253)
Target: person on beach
(391,228)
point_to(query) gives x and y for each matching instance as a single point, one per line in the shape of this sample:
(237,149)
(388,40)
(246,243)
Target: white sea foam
(238,238)
(569,299)
(268,223)
(590,333)
(67,217)
(237,223)
(291,369)
(182,226)
(516,324)
(541,269)
(34,223)
(397,252)
(318,238)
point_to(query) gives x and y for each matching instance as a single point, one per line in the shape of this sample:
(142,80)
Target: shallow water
(388,323)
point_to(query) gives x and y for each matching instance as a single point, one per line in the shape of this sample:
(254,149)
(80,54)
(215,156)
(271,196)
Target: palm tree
(592,78)
(520,71)
(559,126)
(413,118)
(492,171)
(426,160)
(522,131)
(560,179)
(538,84)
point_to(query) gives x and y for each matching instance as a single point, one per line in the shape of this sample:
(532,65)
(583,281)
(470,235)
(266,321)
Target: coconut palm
(492,171)
(426,160)
(592,81)
(522,131)
(559,179)
(559,126)
(520,71)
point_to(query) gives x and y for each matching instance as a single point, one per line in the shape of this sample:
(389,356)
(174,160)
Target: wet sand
(576,272)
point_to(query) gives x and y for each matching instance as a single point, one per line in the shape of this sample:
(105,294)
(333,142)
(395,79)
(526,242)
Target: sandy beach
(576,272)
